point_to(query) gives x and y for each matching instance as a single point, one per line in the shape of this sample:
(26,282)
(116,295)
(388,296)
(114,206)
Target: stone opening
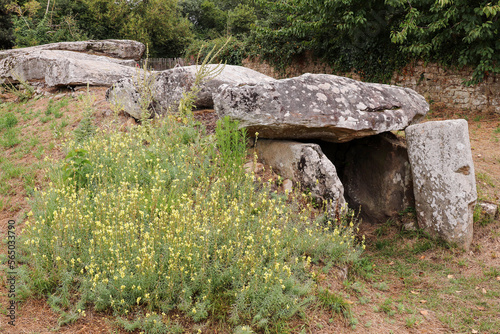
(376,175)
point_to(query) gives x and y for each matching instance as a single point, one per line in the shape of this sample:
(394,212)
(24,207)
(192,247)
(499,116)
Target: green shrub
(77,167)
(153,220)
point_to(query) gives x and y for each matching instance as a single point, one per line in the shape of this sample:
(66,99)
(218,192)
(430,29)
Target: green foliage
(8,120)
(241,19)
(9,134)
(454,32)
(34,25)
(6,36)
(231,52)
(77,167)
(364,36)
(351,35)
(162,228)
(10,138)
(157,23)
(86,128)
(211,18)
(231,144)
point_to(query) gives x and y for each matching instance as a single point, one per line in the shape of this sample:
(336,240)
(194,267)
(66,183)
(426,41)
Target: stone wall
(435,83)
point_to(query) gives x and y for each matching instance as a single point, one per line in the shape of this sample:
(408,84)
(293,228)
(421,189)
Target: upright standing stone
(443,176)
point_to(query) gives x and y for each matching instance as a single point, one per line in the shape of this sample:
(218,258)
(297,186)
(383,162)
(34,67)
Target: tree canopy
(371,37)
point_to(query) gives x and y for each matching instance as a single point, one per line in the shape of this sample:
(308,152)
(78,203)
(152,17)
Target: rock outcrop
(168,87)
(306,165)
(61,68)
(444,180)
(122,49)
(320,106)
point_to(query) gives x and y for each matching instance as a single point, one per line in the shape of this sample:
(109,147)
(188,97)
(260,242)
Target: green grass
(334,303)
(55,108)
(8,120)
(485,178)
(9,138)
(9,134)
(426,274)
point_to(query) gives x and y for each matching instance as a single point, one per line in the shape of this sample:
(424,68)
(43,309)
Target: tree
(37,23)
(455,32)
(6,36)
(351,34)
(157,23)
(241,19)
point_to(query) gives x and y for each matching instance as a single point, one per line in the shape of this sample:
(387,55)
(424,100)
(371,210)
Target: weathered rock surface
(59,68)
(306,165)
(169,85)
(444,180)
(376,175)
(489,210)
(122,49)
(320,106)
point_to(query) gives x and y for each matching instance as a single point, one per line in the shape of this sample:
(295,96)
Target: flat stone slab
(320,106)
(62,68)
(115,48)
(444,180)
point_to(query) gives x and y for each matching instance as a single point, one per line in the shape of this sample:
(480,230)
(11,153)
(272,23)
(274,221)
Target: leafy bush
(376,37)
(33,28)
(453,32)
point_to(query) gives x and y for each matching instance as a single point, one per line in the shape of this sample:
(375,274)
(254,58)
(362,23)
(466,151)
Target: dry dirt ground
(405,282)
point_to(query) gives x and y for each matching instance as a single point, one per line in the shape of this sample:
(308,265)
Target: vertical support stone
(444,180)
(307,165)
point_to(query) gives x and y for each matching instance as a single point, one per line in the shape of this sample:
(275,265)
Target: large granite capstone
(320,106)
